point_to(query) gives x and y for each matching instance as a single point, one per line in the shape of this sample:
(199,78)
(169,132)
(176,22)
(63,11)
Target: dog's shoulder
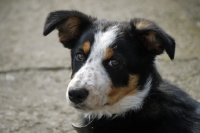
(175,95)
(171,105)
(167,109)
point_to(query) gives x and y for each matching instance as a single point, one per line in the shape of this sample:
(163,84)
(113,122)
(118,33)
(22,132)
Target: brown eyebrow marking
(117,94)
(86,47)
(109,53)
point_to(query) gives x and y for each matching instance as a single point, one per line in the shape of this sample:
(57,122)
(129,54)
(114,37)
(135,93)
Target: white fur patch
(102,41)
(92,74)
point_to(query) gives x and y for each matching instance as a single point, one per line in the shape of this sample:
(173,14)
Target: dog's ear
(70,24)
(154,39)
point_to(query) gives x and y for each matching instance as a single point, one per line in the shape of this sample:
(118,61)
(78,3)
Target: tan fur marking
(86,47)
(69,29)
(143,24)
(117,94)
(151,42)
(109,53)
(149,39)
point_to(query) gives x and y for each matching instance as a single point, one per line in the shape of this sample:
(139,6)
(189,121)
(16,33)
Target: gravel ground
(34,70)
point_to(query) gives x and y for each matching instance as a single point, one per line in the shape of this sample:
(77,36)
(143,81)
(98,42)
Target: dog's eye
(80,57)
(113,63)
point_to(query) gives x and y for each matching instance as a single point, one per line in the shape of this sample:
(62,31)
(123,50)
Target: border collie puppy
(114,79)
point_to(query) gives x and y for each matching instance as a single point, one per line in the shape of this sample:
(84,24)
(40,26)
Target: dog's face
(111,61)
(101,66)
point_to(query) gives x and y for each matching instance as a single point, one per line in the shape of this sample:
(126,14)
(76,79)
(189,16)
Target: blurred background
(35,70)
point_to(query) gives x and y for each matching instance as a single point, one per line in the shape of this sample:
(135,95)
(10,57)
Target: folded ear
(153,37)
(70,24)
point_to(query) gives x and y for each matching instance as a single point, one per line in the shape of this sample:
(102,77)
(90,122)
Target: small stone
(10,77)
(198,23)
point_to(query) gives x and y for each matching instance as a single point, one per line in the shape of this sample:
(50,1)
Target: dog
(114,81)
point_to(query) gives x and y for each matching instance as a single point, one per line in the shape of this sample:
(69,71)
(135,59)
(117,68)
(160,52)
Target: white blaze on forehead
(102,41)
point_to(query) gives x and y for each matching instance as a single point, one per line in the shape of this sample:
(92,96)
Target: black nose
(78,95)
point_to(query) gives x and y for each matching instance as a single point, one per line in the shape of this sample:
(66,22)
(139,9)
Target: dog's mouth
(81,107)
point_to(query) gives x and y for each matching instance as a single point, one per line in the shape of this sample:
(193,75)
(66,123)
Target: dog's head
(111,61)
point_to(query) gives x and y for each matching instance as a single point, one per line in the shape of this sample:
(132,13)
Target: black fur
(166,109)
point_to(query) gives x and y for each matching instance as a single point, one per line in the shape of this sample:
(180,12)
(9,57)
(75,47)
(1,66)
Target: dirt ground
(35,70)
